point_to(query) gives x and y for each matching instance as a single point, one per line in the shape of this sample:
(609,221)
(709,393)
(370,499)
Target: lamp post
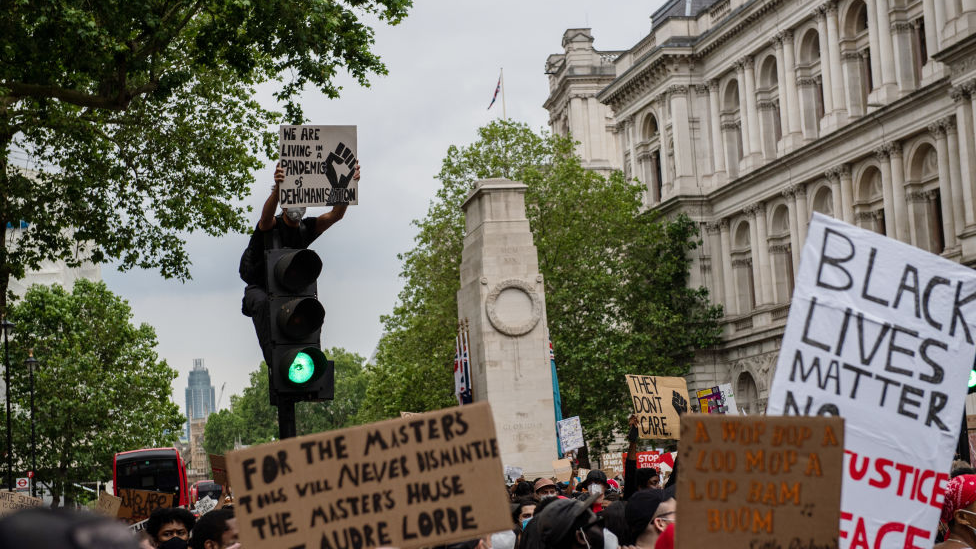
(31,362)
(8,327)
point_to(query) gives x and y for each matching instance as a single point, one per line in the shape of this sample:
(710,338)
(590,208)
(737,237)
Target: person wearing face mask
(169,527)
(958,521)
(569,524)
(292,230)
(648,514)
(545,488)
(596,485)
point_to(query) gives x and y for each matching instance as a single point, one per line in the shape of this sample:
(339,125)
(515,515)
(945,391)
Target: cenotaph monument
(503,299)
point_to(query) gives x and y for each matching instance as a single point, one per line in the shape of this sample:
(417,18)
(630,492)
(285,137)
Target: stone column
(833,54)
(955,177)
(851,61)
(684,164)
(900,205)
(833,177)
(873,42)
(749,74)
(702,144)
(846,192)
(825,70)
(503,297)
(731,302)
(883,154)
(885,49)
(802,214)
(767,128)
(938,130)
(931,20)
(715,255)
(967,157)
(765,270)
(792,95)
(740,71)
(902,32)
(754,247)
(790,194)
(718,148)
(784,103)
(662,108)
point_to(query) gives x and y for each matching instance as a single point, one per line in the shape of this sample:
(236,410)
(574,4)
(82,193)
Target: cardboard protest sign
(138,504)
(12,501)
(319,164)
(562,469)
(612,462)
(570,433)
(206,505)
(407,482)
(658,401)
(108,505)
(751,482)
(881,334)
(218,466)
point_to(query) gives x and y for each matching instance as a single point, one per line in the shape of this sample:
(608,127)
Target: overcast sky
(443,63)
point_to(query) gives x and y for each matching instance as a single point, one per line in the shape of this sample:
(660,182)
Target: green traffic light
(972,379)
(301,369)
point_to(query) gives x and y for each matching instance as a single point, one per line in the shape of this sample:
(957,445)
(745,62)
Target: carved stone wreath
(500,324)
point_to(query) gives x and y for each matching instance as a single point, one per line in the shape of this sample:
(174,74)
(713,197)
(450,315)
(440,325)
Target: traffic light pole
(286,418)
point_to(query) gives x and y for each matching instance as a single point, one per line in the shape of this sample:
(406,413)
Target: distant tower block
(502,297)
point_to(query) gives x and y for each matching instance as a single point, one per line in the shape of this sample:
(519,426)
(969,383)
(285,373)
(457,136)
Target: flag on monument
(462,367)
(557,400)
(498,88)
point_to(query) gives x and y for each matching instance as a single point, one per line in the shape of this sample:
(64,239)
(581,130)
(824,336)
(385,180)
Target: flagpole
(502,78)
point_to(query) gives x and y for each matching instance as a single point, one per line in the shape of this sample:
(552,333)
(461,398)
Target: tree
(141,116)
(100,387)
(252,420)
(615,280)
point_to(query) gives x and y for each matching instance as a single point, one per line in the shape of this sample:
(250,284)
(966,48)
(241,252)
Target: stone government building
(749,115)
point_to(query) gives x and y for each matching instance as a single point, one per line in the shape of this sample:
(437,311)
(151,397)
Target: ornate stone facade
(859,109)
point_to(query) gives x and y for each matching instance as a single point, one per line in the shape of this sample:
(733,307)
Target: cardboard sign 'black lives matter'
(749,482)
(658,403)
(409,482)
(319,164)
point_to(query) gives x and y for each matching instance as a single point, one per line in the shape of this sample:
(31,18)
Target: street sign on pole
(23,484)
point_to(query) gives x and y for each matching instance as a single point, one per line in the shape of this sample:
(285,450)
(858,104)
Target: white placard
(319,164)
(570,433)
(728,397)
(881,333)
(205,505)
(513,473)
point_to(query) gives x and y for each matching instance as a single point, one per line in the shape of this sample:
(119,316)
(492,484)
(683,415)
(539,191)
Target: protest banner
(319,164)
(716,400)
(562,469)
(108,505)
(612,464)
(407,482)
(570,433)
(218,466)
(138,504)
(645,460)
(750,482)
(881,334)
(658,403)
(728,397)
(12,501)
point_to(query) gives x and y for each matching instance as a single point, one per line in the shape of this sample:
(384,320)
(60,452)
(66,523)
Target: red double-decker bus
(156,469)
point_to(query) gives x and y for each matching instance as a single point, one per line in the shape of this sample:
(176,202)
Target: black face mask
(174,542)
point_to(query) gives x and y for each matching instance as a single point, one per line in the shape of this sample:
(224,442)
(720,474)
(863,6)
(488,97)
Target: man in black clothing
(293,231)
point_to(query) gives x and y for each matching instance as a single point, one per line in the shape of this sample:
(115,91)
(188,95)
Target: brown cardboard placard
(138,504)
(658,403)
(562,469)
(970,422)
(759,481)
(218,465)
(12,501)
(612,464)
(108,505)
(408,482)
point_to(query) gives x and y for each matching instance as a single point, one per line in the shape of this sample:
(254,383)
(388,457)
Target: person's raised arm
(330,217)
(630,466)
(271,204)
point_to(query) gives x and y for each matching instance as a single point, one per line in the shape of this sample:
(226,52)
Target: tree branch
(118,103)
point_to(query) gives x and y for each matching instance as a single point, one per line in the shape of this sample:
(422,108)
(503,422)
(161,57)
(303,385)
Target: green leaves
(100,387)
(616,283)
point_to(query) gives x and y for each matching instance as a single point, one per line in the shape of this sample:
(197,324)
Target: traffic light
(298,370)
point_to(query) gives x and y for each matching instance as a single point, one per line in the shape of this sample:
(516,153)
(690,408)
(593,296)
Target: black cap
(558,517)
(641,508)
(595,475)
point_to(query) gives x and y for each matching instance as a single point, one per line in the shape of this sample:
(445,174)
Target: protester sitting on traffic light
(290,230)
(215,530)
(170,527)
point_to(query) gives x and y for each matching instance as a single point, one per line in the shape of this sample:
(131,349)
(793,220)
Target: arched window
(768,98)
(781,253)
(747,394)
(742,269)
(731,123)
(869,204)
(857,55)
(823,201)
(810,84)
(649,158)
(925,200)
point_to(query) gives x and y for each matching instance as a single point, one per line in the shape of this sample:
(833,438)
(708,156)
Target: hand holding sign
(342,155)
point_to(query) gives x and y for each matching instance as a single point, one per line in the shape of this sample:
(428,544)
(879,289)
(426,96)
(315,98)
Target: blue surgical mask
(526,522)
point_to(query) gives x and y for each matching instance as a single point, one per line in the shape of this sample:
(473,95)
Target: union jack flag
(498,88)
(462,366)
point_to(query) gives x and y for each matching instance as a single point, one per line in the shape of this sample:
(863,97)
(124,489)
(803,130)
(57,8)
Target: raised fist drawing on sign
(679,403)
(334,165)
